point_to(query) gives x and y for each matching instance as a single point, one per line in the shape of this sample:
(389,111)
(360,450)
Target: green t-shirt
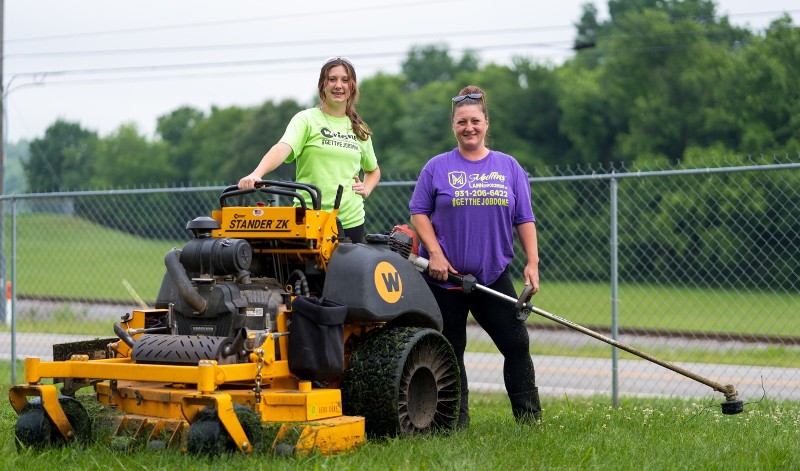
(329,154)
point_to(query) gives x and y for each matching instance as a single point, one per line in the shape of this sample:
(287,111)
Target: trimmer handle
(466,282)
(523,307)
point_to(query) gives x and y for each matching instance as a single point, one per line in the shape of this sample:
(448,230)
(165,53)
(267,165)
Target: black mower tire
(34,429)
(403,381)
(207,435)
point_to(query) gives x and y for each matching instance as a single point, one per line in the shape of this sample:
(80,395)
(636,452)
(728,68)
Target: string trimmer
(403,240)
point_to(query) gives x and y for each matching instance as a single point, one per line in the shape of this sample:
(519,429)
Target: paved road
(559,375)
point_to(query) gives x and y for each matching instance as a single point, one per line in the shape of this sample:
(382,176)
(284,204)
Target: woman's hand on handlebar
(249,181)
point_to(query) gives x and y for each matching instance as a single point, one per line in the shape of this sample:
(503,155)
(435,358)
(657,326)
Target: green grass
(777,356)
(67,323)
(68,257)
(71,258)
(76,266)
(672,308)
(576,434)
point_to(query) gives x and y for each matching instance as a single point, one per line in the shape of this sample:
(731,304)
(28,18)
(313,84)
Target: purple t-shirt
(474,206)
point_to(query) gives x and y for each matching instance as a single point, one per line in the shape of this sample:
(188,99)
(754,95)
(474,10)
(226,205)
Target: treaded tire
(35,429)
(403,381)
(208,436)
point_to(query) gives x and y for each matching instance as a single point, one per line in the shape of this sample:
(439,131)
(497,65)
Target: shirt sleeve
(523,212)
(296,135)
(369,161)
(422,200)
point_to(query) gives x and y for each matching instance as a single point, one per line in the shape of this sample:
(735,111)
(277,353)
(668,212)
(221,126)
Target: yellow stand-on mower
(269,332)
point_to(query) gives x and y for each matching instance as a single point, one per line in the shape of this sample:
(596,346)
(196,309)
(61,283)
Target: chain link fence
(696,267)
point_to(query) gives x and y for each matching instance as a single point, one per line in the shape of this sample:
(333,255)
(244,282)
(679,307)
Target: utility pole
(2,105)
(2,157)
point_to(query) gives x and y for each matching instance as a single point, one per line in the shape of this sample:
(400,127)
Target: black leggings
(497,317)
(356,234)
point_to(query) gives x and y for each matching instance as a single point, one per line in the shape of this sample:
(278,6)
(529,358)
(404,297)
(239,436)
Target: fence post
(13,290)
(614,292)
(7,313)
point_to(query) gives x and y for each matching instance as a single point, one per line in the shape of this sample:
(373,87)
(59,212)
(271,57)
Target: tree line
(652,82)
(658,84)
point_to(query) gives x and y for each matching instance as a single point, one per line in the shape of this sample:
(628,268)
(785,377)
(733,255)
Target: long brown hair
(360,128)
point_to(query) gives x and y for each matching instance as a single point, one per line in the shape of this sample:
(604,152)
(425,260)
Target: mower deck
(303,419)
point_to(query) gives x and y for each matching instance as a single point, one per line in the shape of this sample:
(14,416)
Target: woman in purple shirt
(464,208)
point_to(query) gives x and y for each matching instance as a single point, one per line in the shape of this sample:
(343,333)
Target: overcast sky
(103,63)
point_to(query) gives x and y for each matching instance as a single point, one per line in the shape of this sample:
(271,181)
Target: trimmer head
(732,407)
(732,404)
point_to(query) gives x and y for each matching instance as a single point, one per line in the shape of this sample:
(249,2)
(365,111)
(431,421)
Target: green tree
(255,135)
(126,158)
(178,130)
(759,103)
(660,59)
(425,132)
(17,155)
(536,114)
(588,28)
(62,159)
(216,146)
(432,63)
(384,102)
(586,120)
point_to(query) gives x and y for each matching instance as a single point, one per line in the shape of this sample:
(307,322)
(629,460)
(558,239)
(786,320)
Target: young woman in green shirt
(332,145)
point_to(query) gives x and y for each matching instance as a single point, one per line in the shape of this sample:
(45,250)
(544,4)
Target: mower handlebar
(268,186)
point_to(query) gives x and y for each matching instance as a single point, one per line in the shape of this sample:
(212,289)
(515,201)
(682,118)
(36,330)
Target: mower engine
(209,290)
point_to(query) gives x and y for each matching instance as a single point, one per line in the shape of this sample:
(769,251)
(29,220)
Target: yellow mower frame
(229,400)
(158,398)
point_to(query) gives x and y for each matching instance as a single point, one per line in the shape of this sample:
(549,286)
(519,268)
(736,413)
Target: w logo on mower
(388,282)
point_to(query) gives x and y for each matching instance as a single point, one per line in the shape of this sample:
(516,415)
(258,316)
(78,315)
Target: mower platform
(300,419)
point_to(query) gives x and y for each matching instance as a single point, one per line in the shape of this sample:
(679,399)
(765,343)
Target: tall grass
(575,434)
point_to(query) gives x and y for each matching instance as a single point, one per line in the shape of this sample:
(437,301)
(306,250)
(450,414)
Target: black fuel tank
(378,285)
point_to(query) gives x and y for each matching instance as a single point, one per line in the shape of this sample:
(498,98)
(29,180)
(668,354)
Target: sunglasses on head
(474,96)
(338,58)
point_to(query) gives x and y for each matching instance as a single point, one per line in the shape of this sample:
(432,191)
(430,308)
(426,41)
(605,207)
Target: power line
(319,13)
(245,63)
(311,42)
(147,29)
(360,40)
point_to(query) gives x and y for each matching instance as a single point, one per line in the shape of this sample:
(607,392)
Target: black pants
(497,318)
(356,234)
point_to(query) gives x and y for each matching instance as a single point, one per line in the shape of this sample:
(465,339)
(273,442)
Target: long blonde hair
(360,128)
